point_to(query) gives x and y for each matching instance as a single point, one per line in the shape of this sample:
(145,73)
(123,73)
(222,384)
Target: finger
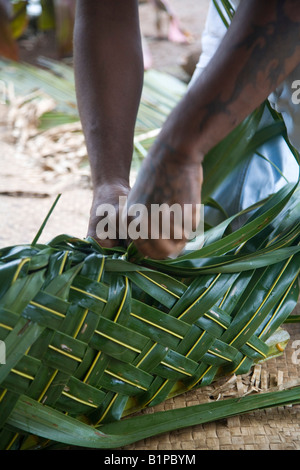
(159,249)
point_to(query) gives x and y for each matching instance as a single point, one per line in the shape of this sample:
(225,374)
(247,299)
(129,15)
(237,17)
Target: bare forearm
(109,76)
(261,47)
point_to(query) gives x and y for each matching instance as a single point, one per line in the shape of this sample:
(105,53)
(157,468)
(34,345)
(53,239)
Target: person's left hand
(107,194)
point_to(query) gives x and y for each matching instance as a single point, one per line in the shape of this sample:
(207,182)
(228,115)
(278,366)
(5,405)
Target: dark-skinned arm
(109,71)
(260,49)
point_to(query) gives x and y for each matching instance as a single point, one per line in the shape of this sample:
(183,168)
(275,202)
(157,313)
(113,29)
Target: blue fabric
(255,179)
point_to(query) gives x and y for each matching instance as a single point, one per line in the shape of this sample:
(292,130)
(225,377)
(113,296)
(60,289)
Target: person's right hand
(107,193)
(172,179)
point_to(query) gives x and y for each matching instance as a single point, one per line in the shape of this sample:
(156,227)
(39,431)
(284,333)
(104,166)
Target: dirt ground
(21,181)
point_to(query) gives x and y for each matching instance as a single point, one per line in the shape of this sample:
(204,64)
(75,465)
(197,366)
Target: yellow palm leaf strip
(239,248)
(182,371)
(156,393)
(43,307)
(193,347)
(71,356)
(22,374)
(156,325)
(3,394)
(159,285)
(283,242)
(12,441)
(264,301)
(239,365)
(92,367)
(273,240)
(63,263)
(200,297)
(107,409)
(279,306)
(256,349)
(118,341)
(123,300)
(147,354)
(225,296)
(20,266)
(84,402)
(218,355)
(89,294)
(200,378)
(215,320)
(124,380)
(81,323)
(16,275)
(2,325)
(101,269)
(87,310)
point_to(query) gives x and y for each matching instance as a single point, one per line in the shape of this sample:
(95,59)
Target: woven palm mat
(270,429)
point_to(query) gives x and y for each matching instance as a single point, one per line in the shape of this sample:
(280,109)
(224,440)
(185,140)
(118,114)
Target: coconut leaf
(31,417)
(91,332)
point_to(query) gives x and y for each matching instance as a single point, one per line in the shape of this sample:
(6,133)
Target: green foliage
(101,333)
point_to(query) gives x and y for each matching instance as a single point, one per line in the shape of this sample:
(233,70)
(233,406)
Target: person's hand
(107,194)
(170,178)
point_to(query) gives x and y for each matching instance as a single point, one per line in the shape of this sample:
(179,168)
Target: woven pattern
(272,429)
(96,335)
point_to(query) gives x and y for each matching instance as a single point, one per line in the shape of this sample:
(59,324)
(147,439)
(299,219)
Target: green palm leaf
(32,417)
(90,332)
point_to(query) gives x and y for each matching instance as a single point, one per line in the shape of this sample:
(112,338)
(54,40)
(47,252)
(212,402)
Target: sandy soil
(22,212)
